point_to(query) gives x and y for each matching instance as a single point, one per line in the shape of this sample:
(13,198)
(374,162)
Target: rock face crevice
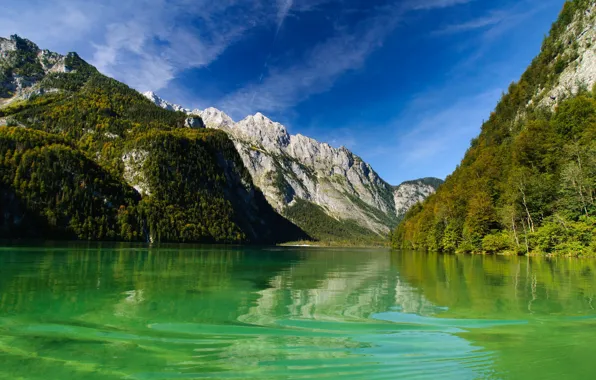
(291,167)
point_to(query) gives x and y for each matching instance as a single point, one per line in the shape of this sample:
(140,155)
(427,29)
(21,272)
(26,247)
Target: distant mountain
(527,184)
(330,192)
(83,156)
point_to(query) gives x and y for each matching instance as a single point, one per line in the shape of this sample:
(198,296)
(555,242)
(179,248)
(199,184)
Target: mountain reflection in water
(112,311)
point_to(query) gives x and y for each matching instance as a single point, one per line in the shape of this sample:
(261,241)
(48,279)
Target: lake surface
(120,312)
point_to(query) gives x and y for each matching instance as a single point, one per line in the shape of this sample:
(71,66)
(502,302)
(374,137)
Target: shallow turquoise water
(122,312)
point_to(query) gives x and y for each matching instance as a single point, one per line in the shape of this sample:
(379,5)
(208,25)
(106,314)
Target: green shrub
(497,242)
(564,237)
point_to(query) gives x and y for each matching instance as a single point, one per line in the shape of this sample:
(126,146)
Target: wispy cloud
(283,8)
(433,4)
(320,68)
(437,132)
(315,73)
(145,43)
(490,27)
(436,137)
(481,22)
(40,21)
(159,41)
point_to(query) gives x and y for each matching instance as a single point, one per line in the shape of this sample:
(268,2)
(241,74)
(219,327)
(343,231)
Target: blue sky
(404,84)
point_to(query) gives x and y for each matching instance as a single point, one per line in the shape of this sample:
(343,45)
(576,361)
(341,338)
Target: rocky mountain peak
(152,96)
(24,66)
(15,42)
(214,118)
(261,130)
(290,169)
(8,46)
(163,103)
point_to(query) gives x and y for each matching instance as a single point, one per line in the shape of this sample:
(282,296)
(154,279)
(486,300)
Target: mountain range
(299,174)
(85,156)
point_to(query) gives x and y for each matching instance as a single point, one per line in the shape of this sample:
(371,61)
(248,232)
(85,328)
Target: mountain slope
(527,183)
(51,190)
(109,164)
(330,193)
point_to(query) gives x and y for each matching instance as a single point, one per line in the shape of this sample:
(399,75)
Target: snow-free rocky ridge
(289,168)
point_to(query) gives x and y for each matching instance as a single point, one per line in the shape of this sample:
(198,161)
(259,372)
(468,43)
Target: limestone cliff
(290,168)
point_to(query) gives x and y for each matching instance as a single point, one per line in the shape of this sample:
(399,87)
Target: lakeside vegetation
(527,184)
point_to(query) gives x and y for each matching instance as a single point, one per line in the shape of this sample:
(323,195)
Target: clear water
(116,312)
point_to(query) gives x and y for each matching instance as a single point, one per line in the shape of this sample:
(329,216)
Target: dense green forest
(322,227)
(527,184)
(51,190)
(64,174)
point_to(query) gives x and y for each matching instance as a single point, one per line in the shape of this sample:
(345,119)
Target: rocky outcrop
(290,167)
(577,60)
(409,193)
(24,67)
(194,122)
(133,171)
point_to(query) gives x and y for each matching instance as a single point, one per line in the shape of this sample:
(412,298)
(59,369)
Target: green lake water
(122,312)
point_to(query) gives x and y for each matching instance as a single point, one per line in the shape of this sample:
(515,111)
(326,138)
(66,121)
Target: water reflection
(360,296)
(103,312)
(553,297)
(501,287)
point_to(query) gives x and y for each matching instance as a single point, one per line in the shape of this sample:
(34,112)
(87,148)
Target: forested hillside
(527,184)
(84,156)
